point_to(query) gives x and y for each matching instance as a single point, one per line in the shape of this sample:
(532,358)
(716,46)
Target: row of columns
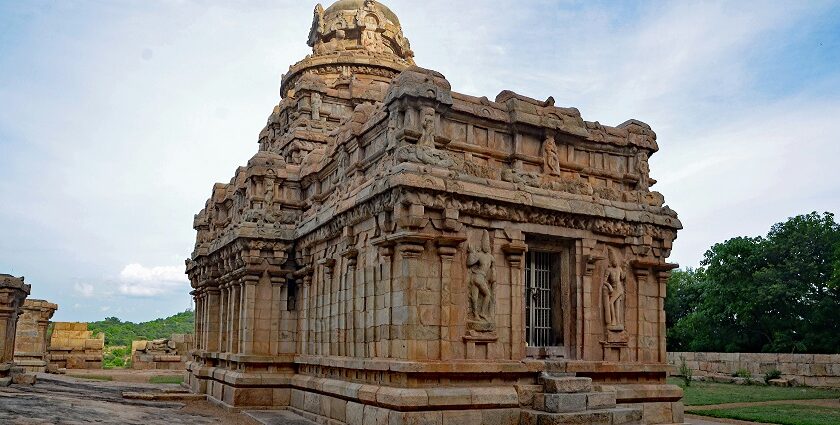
(225,316)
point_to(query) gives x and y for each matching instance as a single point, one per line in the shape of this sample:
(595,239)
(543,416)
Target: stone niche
(73,346)
(168,354)
(31,335)
(13,292)
(398,251)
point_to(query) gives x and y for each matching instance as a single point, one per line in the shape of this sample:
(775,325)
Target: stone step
(573,402)
(568,384)
(616,416)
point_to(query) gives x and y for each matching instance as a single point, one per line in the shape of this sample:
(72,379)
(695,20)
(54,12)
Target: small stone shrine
(398,252)
(31,336)
(73,346)
(13,292)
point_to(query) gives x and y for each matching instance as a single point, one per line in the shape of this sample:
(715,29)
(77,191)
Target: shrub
(685,371)
(772,374)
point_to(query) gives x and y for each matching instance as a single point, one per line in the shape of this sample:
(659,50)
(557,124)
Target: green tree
(119,333)
(777,293)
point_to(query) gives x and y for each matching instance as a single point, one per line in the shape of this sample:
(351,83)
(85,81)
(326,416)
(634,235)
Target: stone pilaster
(447,249)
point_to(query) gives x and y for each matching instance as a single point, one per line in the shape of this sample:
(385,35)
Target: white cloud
(84,289)
(140,281)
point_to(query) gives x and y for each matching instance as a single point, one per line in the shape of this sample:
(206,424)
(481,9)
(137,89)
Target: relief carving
(643,169)
(482,278)
(316,106)
(615,277)
(551,161)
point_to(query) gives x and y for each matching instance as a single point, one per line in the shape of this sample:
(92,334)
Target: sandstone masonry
(73,346)
(399,252)
(13,292)
(31,335)
(813,370)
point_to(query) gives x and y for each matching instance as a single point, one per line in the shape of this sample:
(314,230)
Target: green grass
(166,379)
(785,414)
(92,377)
(706,393)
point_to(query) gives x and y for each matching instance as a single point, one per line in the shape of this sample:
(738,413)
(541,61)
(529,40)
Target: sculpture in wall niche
(643,168)
(269,188)
(427,120)
(551,161)
(615,277)
(482,278)
(316,106)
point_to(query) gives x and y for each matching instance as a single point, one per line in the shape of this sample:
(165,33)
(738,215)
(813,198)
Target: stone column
(214,307)
(514,252)
(13,291)
(235,291)
(248,313)
(223,317)
(354,325)
(31,335)
(447,248)
(405,317)
(382,298)
(278,284)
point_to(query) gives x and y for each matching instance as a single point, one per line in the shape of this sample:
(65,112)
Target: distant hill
(118,332)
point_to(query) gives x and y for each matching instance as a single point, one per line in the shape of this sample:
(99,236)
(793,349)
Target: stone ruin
(13,292)
(73,346)
(31,336)
(399,252)
(169,354)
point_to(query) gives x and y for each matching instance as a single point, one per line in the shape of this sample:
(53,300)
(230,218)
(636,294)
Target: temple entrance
(544,303)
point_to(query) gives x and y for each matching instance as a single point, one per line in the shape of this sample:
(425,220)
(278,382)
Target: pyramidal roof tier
(353,37)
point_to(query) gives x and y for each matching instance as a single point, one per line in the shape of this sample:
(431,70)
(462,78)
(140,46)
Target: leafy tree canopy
(118,332)
(778,293)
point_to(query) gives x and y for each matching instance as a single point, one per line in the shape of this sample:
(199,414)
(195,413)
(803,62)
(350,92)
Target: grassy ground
(706,393)
(785,414)
(166,379)
(92,377)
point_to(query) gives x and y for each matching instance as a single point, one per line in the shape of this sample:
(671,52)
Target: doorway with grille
(546,289)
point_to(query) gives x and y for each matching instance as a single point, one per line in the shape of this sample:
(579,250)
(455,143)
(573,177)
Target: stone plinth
(397,251)
(166,354)
(13,292)
(73,346)
(31,335)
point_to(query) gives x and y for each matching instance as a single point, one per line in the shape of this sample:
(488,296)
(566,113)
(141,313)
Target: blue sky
(116,117)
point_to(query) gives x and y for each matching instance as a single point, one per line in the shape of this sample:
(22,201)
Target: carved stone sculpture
(614,280)
(643,169)
(551,164)
(481,262)
(316,106)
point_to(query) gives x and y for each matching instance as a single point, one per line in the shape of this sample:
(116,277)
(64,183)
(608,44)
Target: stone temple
(399,253)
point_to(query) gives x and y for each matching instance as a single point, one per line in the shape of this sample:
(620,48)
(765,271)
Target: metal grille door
(538,300)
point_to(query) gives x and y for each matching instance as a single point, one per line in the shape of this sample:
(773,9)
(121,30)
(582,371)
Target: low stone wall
(73,346)
(813,370)
(166,354)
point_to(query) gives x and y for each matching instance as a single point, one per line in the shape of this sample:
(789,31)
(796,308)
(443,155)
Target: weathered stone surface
(73,346)
(31,335)
(387,240)
(166,354)
(566,384)
(817,370)
(13,292)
